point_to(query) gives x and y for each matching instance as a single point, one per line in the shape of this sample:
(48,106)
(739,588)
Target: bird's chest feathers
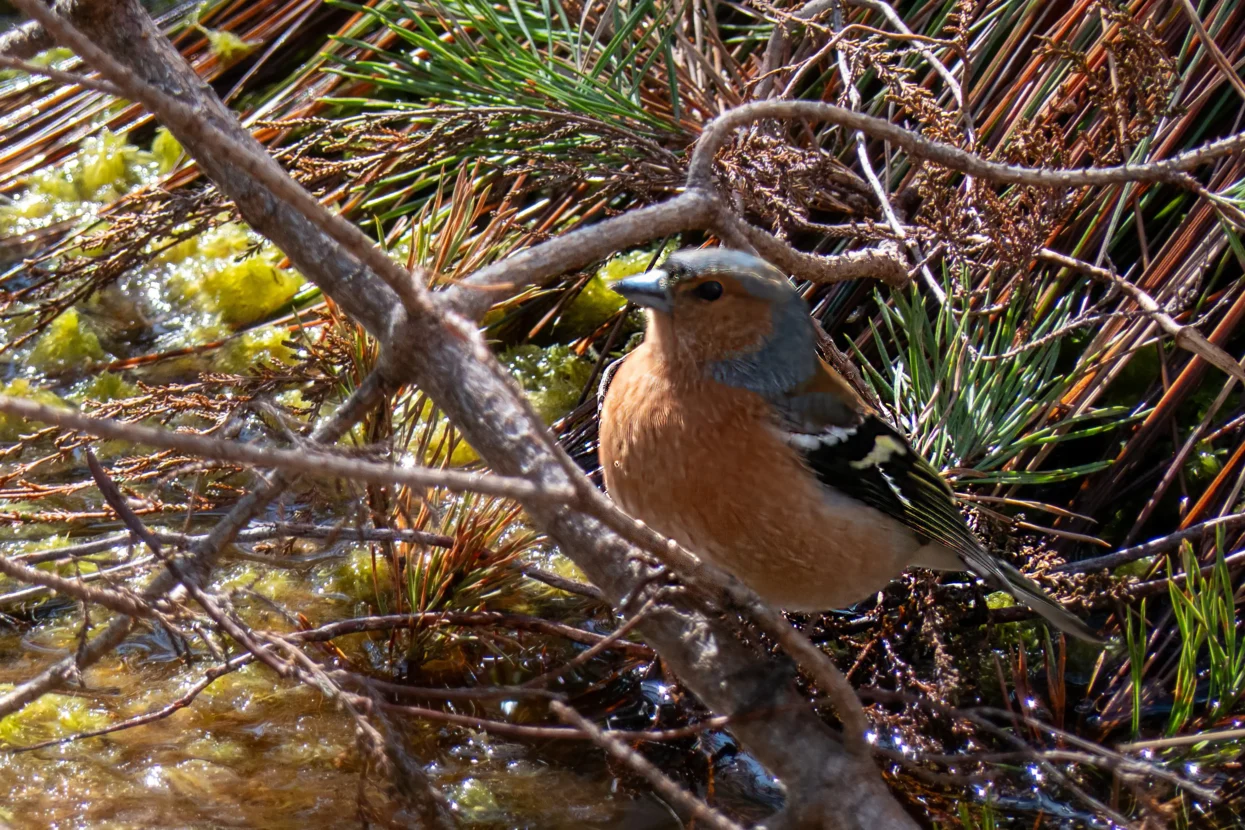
(690,456)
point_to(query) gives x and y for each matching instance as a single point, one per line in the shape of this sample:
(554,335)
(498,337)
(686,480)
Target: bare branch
(1186,337)
(206,552)
(305,462)
(1160,545)
(25,40)
(64,77)
(672,792)
(1172,171)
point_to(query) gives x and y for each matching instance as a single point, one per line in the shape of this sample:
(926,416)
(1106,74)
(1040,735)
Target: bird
(725,431)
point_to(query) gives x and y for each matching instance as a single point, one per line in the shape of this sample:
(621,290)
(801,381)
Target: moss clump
(226,46)
(1138,568)
(255,348)
(353,576)
(553,377)
(52,716)
(473,801)
(999,599)
(166,150)
(107,386)
(65,344)
(632,262)
(242,292)
(207,274)
(105,162)
(595,304)
(105,168)
(11,426)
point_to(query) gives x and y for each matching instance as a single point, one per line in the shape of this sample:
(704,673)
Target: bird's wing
(874,464)
(606,377)
(851,449)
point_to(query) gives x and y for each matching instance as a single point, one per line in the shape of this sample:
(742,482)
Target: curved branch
(1172,171)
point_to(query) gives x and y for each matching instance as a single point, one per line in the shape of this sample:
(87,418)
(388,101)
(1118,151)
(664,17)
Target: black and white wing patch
(874,464)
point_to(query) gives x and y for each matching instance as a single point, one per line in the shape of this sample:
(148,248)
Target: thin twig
(1186,337)
(64,77)
(669,790)
(1160,545)
(306,462)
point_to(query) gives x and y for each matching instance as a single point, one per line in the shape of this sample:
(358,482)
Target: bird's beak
(647,289)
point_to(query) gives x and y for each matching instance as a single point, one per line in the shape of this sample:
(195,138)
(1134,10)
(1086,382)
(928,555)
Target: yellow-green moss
(65,344)
(52,716)
(353,576)
(473,801)
(104,163)
(11,426)
(226,46)
(254,348)
(553,377)
(166,149)
(107,386)
(624,265)
(206,274)
(104,169)
(999,599)
(1138,568)
(595,304)
(246,291)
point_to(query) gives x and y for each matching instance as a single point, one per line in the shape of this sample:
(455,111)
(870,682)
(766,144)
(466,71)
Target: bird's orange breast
(704,464)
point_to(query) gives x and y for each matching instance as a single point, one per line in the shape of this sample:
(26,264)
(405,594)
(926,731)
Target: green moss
(105,162)
(107,386)
(622,266)
(207,275)
(278,585)
(226,46)
(217,749)
(55,55)
(52,716)
(65,344)
(553,377)
(11,426)
(353,576)
(254,348)
(246,291)
(104,169)
(1138,568)
(473,801)
(1204,463)
(999,599)
(166,149)
(595,304)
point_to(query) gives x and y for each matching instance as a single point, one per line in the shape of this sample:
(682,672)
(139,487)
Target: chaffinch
(725,431)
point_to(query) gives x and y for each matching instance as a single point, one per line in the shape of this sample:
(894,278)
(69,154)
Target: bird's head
(729,316)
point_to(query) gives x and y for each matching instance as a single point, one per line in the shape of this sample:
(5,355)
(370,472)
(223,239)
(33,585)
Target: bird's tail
(1032,595)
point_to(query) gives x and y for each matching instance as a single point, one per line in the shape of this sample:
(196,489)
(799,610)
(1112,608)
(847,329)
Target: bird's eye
(708,291)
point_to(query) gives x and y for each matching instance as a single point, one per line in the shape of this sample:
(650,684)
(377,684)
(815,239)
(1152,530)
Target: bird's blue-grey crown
(784,359)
